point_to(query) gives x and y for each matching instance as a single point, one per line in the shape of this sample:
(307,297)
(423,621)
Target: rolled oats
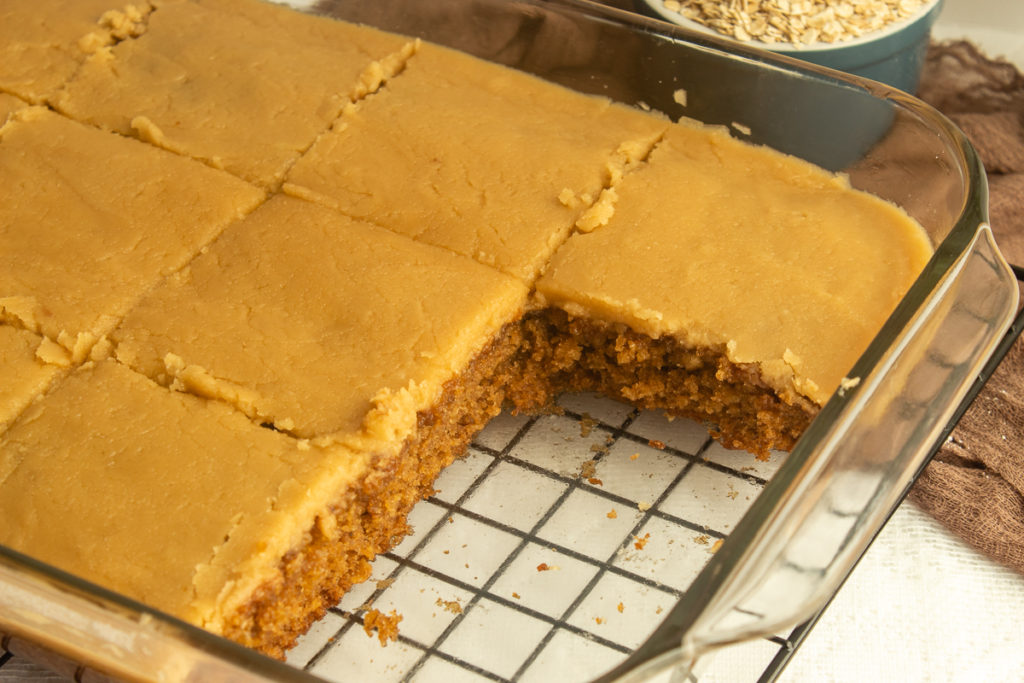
(799,22)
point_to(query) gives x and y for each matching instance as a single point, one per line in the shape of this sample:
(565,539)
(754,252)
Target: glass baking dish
(817,514)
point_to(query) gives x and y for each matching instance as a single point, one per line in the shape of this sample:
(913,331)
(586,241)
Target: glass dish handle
(817,516)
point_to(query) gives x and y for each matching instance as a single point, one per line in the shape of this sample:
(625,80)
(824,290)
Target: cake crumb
(595,481)
(568,198)
(641,542)
(703,539)
(587,425)
(716,546)
(655,443)
(621,607)
(384,583)
(588,469)
(515,595)
(452,606)
(679,96)
(847,383)
(385,625)
(643,506)
(634,456)
(599,620)
(612,514)
(545,567)
(53,353)
(745,130)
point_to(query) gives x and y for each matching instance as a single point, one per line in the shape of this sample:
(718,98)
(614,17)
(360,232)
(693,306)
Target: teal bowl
(893,55)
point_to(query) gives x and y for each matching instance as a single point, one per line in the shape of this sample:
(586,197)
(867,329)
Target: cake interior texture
(276,315)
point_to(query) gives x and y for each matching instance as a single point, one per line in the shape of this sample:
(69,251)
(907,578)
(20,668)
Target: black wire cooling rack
(550,550)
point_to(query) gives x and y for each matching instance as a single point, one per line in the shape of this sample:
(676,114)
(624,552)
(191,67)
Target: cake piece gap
(630,156)
(371,81)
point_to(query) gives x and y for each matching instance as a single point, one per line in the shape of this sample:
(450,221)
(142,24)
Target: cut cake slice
(338,333)
(321,325)
(489,162)
(95,221)
(245,87)
(91,481)
(734,285)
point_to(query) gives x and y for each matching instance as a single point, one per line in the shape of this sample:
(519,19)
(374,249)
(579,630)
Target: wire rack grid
(549,552)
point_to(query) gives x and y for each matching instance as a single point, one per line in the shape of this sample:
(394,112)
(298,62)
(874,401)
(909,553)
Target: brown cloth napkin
(975,484)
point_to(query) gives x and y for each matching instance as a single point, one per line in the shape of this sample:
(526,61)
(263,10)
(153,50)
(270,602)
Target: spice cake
(286,374)
(92,479)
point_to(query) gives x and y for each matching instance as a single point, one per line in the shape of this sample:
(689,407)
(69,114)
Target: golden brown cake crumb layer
(562,353)
(370,517)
